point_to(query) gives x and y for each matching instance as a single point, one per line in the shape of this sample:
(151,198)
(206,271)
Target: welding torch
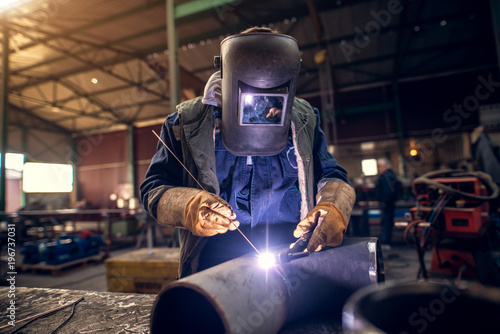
(297,249)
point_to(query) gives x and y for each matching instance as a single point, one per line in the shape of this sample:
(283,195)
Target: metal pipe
(4,126)
(239,296)
(422,307)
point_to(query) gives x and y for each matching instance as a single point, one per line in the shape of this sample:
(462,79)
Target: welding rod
(244,236)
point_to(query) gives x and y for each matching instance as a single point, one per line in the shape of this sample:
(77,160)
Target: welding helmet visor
(259,73)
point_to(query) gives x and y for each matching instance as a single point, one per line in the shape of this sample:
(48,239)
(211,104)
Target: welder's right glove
(201,212)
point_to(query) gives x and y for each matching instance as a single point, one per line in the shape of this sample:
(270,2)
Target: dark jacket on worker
(387,188)
(281,188)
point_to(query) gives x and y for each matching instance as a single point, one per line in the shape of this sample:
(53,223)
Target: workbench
(99,312)
(100,217)
(359,225)
(104,312)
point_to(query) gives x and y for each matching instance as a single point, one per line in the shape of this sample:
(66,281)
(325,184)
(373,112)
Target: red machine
(459,212)
(452,216)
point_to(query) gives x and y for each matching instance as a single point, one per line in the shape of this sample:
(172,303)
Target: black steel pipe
(239,296)
(429,307)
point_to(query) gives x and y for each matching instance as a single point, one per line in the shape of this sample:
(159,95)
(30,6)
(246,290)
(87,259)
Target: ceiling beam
(316,22)
(105,70)
(476,42)
(338,40)
(198,6)
(96,93)
(50,125)
(402,79)
(92,100)
(50,105)
(396,27)
(405,36)
(107,20)
(298,12)
(140,104)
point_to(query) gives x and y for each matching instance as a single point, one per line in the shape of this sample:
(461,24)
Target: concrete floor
(400,262)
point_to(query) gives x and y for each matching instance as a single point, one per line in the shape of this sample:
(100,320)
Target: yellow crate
(137,284)
(145,270)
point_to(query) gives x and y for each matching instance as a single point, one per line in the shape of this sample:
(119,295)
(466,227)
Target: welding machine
(452,216)
(464,210)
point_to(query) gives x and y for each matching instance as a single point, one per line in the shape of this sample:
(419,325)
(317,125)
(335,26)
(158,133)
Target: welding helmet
(259,74)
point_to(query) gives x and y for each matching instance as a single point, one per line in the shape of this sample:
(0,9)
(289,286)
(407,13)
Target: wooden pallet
(56,270)
(145,270)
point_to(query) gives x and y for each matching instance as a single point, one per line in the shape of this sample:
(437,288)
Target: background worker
(262,174)
(387,189)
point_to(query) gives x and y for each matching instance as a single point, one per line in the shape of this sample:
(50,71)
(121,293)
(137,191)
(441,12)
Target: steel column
(4,126)
(495,18)
(74,162)
(24,150)
(173,64)
(399,126)
(239,296)
(131,158)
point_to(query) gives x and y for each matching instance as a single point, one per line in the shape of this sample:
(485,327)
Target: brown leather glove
(329,225)
(329,218)
(201,212)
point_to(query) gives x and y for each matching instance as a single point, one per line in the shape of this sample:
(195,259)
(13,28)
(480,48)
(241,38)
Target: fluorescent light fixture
(47,178)
(368,146)
(6,5)
(14,161)
(369,167)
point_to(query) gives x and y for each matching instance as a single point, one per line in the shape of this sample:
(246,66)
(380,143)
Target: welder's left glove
(329,218)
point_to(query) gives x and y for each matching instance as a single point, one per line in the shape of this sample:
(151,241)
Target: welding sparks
(267,260)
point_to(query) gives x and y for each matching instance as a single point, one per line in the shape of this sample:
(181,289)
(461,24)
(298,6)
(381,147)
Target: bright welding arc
(244,236)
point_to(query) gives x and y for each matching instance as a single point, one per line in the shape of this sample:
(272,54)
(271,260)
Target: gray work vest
(197,124)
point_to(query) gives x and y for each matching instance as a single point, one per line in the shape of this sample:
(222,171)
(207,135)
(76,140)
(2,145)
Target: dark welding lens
(258,108)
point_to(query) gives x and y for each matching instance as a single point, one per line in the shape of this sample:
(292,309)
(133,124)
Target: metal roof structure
(77,66)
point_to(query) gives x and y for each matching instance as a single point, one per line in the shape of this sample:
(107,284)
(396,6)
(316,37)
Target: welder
(257,160)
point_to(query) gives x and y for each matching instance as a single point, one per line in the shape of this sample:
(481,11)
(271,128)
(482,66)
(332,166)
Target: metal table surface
(104,312)
(99,312)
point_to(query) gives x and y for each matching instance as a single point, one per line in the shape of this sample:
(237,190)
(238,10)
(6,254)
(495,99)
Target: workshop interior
(372,127)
